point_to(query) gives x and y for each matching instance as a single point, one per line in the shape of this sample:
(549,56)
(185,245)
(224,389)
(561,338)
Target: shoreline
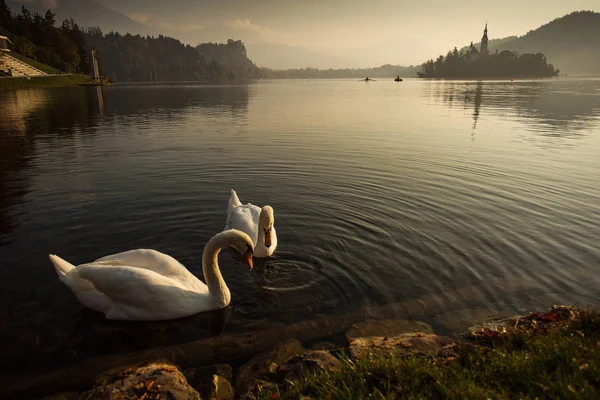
(260,359)
(74,80)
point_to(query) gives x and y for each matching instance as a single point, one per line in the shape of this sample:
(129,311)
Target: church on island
(474,54)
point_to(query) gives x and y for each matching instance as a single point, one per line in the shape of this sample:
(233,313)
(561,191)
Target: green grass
(560,362)
(44,81)
(43,67)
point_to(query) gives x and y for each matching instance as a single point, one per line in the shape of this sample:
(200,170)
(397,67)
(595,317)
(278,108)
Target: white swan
(257,222)
(146,285)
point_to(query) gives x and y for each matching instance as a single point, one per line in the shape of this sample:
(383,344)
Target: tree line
(124,58)
(136,58)
(37,37)
(466,64)
(384,71)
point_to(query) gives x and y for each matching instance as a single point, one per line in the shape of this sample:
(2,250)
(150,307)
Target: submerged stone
(63,396)
(388,327)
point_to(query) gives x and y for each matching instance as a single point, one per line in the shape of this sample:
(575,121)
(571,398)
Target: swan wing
(245,218)
(152,260)
(232,204)
(142,294)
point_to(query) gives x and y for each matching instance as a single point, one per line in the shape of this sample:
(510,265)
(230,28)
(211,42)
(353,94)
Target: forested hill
(123,58)
(571,43)
(37,37)
(135,58)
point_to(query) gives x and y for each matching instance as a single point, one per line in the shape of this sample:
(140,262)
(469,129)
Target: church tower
(484,41)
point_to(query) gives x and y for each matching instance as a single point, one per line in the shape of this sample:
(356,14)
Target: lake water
(383,193)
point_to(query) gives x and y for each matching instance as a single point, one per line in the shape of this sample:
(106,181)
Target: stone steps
(16,68)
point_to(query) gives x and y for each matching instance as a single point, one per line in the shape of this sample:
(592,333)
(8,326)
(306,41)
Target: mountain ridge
(570,42)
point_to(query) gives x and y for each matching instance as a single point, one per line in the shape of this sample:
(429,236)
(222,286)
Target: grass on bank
(36,64)
(44,81)
(558,362)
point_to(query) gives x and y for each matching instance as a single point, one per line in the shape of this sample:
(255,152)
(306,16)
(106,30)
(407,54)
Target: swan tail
(234,202)
(62,267)
(68,274)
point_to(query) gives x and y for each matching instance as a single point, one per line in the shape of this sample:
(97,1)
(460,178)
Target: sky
(374,31)
(421,29)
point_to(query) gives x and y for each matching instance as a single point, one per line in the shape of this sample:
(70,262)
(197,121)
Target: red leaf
(550,317)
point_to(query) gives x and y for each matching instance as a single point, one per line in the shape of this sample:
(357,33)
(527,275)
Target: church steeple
(484,41)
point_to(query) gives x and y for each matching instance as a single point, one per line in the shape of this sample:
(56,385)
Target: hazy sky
(375,32)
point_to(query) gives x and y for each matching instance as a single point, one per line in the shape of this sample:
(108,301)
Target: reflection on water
(100,100)
(449,199)
(554,110)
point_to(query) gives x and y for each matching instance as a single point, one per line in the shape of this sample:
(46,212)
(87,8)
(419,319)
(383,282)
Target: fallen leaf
(406,345)
(549,317)
(449,345)
(420,335)
(488,333)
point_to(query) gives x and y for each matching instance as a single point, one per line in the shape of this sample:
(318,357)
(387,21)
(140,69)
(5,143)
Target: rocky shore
(286,363)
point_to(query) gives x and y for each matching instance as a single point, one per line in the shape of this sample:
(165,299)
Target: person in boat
(398,79)
(367,79)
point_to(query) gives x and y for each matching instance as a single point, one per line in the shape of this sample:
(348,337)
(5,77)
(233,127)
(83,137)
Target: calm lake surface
(383,193)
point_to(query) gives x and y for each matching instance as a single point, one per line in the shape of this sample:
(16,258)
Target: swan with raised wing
(146,285)
(257,222)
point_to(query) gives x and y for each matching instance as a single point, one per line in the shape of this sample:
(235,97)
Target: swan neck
(212,273)
(261,235)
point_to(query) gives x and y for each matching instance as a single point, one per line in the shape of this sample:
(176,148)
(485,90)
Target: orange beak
(248,257)
(268,238)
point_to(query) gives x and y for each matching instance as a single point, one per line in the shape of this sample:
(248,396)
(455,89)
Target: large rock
(151,382)
(264,366)
(388,327)
(288,361)
(296,367)
(404,344)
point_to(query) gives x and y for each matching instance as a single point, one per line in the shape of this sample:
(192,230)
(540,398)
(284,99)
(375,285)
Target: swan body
(255,221)
(146,285)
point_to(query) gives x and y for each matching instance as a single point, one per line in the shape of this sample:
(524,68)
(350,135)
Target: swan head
(266,222)
(243,244)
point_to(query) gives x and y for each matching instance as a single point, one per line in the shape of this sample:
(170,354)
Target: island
(477,64)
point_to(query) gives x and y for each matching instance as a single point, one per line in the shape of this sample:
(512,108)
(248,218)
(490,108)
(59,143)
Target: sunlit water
(383,193)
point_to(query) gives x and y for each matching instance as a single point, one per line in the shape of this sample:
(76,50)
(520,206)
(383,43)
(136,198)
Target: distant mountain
(281,56)
(87,13)
(571,43)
